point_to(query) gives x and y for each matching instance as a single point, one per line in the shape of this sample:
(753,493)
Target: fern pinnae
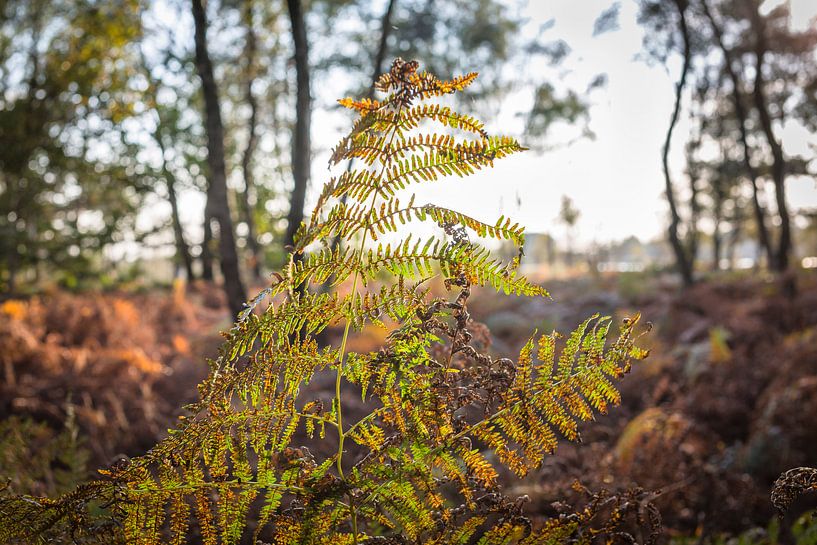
(436,404)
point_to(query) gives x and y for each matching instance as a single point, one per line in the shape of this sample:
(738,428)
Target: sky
(615,180)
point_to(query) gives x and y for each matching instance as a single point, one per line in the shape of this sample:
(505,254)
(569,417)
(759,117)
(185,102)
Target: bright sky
(616,179)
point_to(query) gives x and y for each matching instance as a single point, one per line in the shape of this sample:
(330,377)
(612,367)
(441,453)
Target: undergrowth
(422,466)
(38,461)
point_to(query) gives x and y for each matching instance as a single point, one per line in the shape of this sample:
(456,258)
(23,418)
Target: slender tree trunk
(218,203)
(380,56)
(13,264)
(206,244)
(716,246)
(760,220)
(551,251)
(742,115)
(781,255)
(569,249)
(301,155)
(182,249)
(734,238)
(692,236)
(716,234)
(20,193)
(682,260)
(246,199)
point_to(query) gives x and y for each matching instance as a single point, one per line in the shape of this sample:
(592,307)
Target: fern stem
(347,328)
(338,377)
(212,484)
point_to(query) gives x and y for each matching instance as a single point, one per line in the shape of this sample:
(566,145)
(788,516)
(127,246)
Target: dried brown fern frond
(421,470)
(792,484)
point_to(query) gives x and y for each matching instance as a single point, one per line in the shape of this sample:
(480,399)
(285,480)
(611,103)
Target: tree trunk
(734,238)
(551,251)
(380,56)
(12,260)
(252,140)
(692,236)
(182,249)
(760,220)
(569,251)
(303,108)
(681,258)
(781,255)
(206,256)
(217,192)
(716,234)
(742,116)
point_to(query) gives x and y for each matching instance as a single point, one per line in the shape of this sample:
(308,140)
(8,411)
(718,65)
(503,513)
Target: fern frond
(354,184)
(308,312)
(432,165)
(392,214)
(428,465)
(540,403)
(397,302)
(364,105)
(319,266)
(412,117)
(346,221)
(75,515)
(366,146)
(403,76)
(415,258)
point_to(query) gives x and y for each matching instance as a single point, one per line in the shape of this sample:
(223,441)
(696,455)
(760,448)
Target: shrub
(38,460)
(112,353)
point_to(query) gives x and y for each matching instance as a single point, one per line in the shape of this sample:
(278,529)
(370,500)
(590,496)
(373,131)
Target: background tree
(301,144)
(218,207)
(247,197)
(756,63)
(569,216)
(672,18)
(165,132)
(69,179)
(742,116)
(781,56)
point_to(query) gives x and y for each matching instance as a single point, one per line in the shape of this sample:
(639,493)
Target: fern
(417,468)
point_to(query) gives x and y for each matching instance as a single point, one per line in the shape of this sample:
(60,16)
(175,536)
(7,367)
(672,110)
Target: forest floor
(725,402)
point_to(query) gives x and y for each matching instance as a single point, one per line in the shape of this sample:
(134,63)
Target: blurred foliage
(68,171)
(803,531)
(60,345)
(38,461)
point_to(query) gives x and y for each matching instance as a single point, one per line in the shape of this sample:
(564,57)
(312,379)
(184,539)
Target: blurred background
(156,157)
